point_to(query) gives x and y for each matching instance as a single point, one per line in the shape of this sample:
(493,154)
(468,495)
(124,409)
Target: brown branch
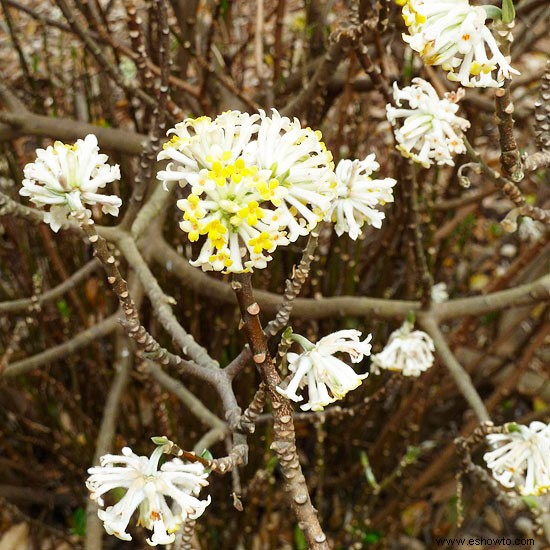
(147,345)
(509,384)
(82,339)
(460,376)
(56,292)
(104,440)
(511,190)
(160,302)
(529,293)
(510,157)
(424,275)
(147,159)
(340,306)
(10,207)
(140,56)
(195,405)
(284,438)
(294,285)
(94,48)
(67,129)
(542,113)
(313,94)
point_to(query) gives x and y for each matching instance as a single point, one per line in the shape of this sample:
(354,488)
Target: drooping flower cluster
(358,196)
(453,34)
(147,487)
(407,351)
(66,177)
(521,457)
(257,182)
(327,377)
(431,131)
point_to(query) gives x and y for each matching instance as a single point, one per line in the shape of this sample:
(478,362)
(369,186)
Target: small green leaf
(64,309)
(371,536)
(508,405)
(493,12)
(287,333)
(369,474)
(160,440)
(495,229)
(118,493)
(224,7)
(508,11)
(34,63)
(300,541)
(530,501)
(207,455)
(272,464)
(412,453)
(79,522)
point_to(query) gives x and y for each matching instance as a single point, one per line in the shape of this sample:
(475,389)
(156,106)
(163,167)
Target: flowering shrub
(324,242)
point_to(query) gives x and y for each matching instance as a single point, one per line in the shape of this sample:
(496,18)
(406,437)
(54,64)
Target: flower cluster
(65,177)
(521,457)
(327,378)
(431,131)
(453,34)
(407,351)
(358,196)
(256,182)
(147,487)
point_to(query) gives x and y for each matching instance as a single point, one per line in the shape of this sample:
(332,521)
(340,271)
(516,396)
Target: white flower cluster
(327,377)
(147,487)
(65,177)
(521,457)
(453,34)
(257,182)
(407,351)
(358,196)
(431,131)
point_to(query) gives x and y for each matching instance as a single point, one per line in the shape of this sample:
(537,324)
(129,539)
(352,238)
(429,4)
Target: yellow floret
(266,189)
(262,242)
(477,68)
(251,212)
(175,141)
(215,231)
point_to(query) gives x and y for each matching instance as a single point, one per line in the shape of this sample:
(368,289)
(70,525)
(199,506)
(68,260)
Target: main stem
(284,436)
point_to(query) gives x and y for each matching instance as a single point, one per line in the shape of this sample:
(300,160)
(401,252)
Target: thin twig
(461,377)
(294,285)
(104,440)
(56,292)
